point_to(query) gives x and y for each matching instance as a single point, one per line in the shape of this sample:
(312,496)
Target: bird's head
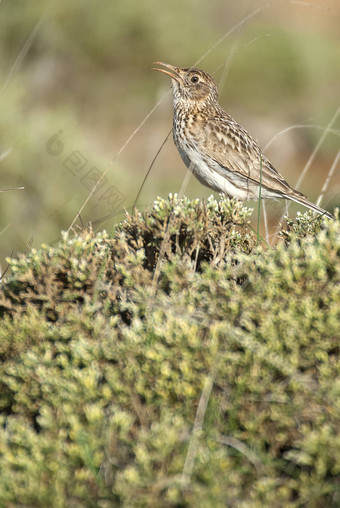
(190,85)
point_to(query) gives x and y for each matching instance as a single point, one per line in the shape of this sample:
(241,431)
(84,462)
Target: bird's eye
(194,79)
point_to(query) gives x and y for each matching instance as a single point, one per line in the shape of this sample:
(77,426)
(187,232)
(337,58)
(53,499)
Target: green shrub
(174,364)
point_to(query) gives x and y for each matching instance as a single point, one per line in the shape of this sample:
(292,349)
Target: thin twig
(231,30)
(265,218)
(328,179)
(120,151)
(326,131)
(317,148)
(5,154)
(198,425)
(229,60)
(299,126)
(2,275)
(11,189)
(308,4)
(26,47)
(242,448)
(148,171)
(259,206)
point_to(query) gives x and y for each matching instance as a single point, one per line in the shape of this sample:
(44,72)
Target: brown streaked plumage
(218,151)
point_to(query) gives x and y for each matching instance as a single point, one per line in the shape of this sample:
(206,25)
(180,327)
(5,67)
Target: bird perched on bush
(216,149)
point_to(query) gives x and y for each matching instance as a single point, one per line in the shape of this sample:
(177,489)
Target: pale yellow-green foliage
(105,368)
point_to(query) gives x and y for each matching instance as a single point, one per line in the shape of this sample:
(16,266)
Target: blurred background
(76,83)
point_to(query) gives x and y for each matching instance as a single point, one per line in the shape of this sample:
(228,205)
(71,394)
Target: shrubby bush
(175,363)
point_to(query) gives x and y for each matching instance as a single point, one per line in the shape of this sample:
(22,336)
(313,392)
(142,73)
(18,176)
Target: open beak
(172,72)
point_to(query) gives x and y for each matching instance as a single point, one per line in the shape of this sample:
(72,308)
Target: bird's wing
(227,143)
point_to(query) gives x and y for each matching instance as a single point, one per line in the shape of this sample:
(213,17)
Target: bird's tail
(304,201)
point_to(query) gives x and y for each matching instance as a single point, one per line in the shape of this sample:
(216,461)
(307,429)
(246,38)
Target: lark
(217,150)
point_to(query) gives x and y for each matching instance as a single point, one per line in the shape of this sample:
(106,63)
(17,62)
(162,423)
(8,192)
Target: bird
(216,149)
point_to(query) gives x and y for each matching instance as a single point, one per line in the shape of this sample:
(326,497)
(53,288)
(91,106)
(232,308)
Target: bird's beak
(173,71)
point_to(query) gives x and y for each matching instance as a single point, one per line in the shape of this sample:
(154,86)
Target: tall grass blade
(259,206)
